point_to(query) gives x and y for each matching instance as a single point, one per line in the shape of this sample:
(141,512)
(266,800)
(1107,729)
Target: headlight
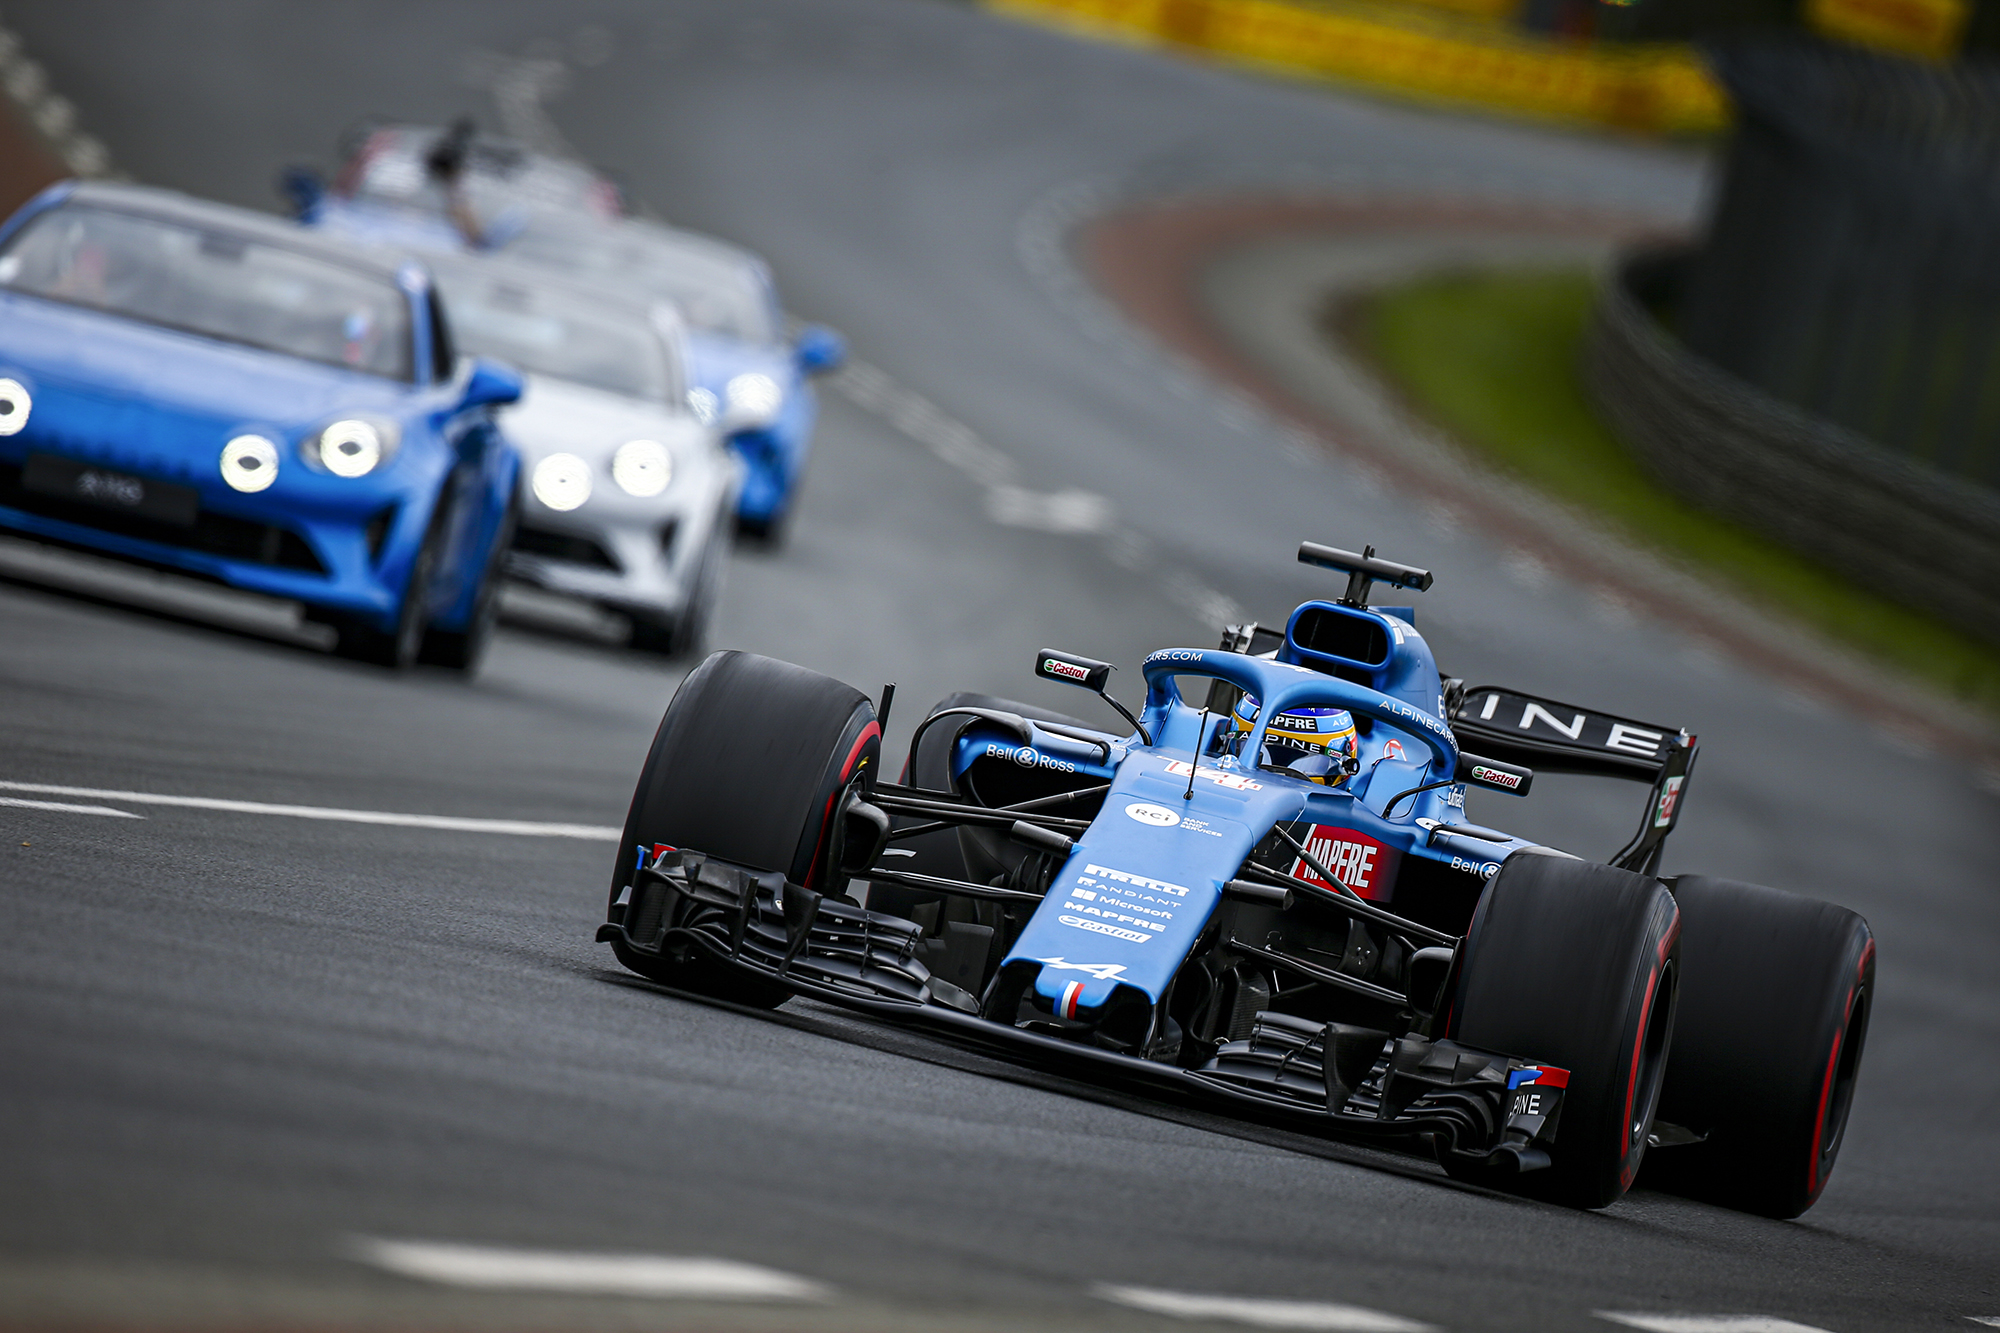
(351,447)
(562,481)
(15,404)
(249,463)
(642,468)
(702,403)
(753,395)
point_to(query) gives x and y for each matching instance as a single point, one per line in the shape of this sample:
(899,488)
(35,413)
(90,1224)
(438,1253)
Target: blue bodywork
(774,454)
(1141,884)
(156,404)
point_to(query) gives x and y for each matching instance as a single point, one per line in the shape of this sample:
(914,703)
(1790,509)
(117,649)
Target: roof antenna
(1194,756)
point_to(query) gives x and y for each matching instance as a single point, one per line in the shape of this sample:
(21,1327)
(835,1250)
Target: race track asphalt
(235,1047)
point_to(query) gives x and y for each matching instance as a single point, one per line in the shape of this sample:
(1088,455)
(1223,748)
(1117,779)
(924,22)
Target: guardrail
(1882,519)
(1659,87)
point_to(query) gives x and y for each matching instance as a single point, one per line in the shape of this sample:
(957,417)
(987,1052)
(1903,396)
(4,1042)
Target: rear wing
(1562,738)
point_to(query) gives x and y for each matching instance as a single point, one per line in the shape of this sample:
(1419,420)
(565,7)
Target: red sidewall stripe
(1628,1168)
(1815,1182)
(872,731)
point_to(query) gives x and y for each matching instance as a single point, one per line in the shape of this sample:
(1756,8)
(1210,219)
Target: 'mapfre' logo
(1363,864)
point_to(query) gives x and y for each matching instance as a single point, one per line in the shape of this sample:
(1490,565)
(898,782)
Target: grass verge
(1492,357)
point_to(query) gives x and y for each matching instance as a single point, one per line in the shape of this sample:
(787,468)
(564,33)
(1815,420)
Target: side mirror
(819,350)
(1510,778)
(1091,674)
(492,384)
(1069,669)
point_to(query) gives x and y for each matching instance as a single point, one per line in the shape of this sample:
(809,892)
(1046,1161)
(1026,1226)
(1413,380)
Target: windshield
(730,299)
(216,283)
(556,333)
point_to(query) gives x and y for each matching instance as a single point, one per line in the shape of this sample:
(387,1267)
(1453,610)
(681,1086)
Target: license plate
(163,501)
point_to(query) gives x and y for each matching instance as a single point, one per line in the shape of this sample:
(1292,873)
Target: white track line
(1707,1323)
(644,1275)
(1262,1313)
(1990,1320)
(68,809)
(452,823)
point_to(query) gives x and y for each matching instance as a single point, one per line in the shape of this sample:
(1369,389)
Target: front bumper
(336,563)
(1478,1107)
(638,557)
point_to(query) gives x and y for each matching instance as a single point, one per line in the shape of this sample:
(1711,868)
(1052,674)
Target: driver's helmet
(1317,744)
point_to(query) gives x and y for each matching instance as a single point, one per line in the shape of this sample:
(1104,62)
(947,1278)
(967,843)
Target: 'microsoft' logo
(1148,813)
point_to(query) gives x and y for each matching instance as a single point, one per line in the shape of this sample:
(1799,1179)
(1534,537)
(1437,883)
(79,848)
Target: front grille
(565,547)
(211,533)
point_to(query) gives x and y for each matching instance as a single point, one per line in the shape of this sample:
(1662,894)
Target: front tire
(1576,964)
(463,650)
(1775,1001)
(746,767)
(397,649)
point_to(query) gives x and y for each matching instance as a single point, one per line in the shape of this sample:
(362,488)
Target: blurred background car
(445,190)
(203,389)
(625,494)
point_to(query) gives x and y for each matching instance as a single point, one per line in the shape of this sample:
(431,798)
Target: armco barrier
(1651,87)
(1877,517)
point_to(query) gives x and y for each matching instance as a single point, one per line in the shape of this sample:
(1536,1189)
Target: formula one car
(1266,894)
(207,390)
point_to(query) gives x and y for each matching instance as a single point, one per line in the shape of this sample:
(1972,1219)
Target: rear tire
(746,767)
(1775,998)
(1575,964)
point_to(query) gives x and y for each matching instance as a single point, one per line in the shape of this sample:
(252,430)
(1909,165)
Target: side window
(444,354)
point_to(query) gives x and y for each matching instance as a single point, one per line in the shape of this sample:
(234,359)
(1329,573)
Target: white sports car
(626,496)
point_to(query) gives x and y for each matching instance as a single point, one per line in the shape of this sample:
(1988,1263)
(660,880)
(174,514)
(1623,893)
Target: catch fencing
(1853,264)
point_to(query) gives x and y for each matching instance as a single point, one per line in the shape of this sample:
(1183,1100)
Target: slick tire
(1578,965)
(1776,990)
(746,767)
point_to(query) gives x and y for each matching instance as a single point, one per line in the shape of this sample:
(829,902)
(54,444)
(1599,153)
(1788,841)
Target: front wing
(1473,1105)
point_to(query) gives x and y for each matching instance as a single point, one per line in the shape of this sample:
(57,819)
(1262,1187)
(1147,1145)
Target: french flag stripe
(1068,1006)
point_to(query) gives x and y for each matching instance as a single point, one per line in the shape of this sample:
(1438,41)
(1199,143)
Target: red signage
(1363,864)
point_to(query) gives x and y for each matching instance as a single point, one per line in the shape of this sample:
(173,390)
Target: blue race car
(206,390)
(447,190)
(1265,894)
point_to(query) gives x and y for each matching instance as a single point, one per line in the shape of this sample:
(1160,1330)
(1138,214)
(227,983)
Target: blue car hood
(107,387)
(716,358)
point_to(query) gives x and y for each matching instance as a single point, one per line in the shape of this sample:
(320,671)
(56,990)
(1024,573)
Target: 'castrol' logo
(1493,776)
(1148,813)
(1067,670)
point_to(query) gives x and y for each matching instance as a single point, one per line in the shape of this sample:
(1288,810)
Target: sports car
(440,191)
(207,390)
(1264,894)
(626,497)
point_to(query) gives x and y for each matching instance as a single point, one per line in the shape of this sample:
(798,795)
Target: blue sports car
(446,190)
(206,390)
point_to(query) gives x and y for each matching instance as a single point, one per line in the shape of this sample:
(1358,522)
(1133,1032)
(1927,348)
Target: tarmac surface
(243,1050)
